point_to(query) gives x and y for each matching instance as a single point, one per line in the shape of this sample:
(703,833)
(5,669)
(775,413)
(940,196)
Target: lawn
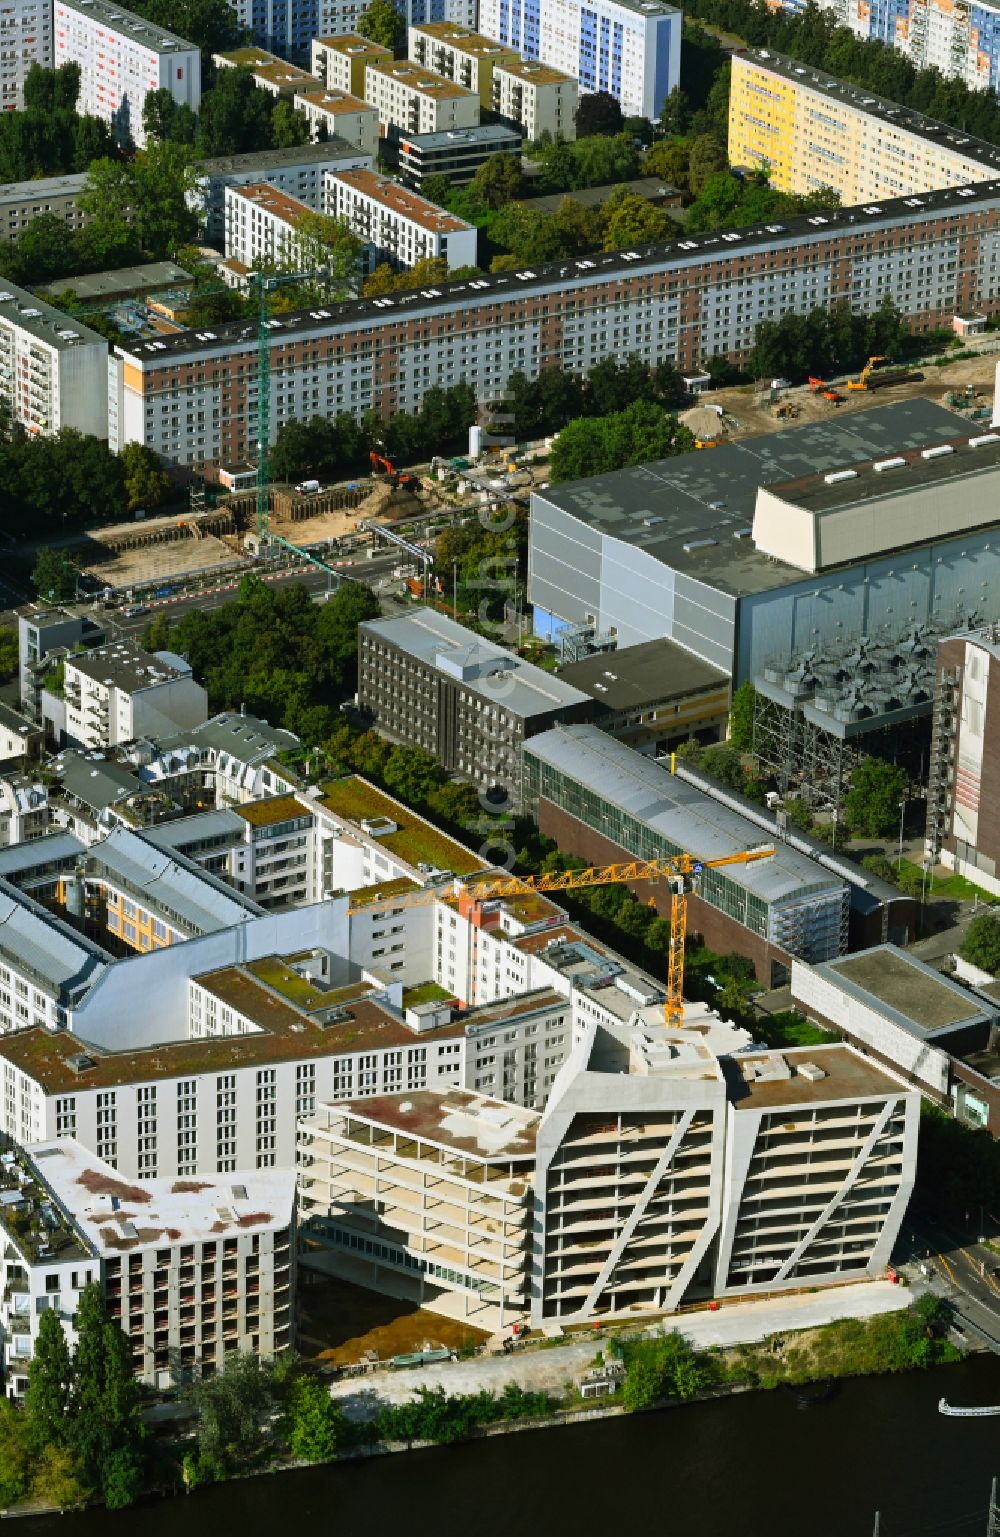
(790,1029)
(416,841)
(953,887)
(425,992)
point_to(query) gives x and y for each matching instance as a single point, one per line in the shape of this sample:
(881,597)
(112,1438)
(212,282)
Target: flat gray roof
(641,675)
(15,722)
(97,783)
(39,853)
(54,327)
(684,816)
(183,833)
(128,24)
(695,512)
(905,990)
(264,160)
(654,188)
(45,186)
(128,666)
(120,280)
(437,641)
(552,277)
(485,133)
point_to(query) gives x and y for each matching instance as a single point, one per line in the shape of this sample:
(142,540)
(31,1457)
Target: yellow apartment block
(812,130)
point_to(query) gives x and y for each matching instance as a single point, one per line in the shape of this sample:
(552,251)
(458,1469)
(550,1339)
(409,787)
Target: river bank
(660,1368)
(756,1464)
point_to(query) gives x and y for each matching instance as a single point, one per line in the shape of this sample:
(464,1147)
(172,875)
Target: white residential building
(298,171)
(53,370)
(25,39)
(261,227)
(397,225)
(460,54)
(332,112)
(630,48)
(656,1175)
(24,810)
(411,99)
(539,98)
(123,57)
(119,692)
(190,1273)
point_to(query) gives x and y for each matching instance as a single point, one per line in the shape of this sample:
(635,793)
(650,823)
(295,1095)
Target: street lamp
(902,809)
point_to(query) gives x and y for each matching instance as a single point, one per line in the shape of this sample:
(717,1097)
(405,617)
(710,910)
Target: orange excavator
(395,478)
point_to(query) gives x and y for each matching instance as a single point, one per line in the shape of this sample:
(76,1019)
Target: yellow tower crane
(680,871)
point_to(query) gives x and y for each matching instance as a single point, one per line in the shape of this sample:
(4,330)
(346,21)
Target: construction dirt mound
(703,422)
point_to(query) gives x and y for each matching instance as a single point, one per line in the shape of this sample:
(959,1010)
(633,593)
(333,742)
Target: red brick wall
(715,929)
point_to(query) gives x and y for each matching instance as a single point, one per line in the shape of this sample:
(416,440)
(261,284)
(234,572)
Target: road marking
(948,1270)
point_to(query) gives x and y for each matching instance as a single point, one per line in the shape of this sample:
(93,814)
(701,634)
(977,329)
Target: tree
(596,445)
(58,1479)
(741,713)
(147,483)
(381,23)
(17,1446)
(675,114)
(231,1406)
(498,181)
(104,1427)
(328,244)
(235,116)
(598,113)
(50,90)
(109,203)
(313,1421)
(706,158)
(288,126)
(48,248)
(8,653)
(981,945)
(634,221)
(671,159)
(872,804)
(165,118)
(54,576)
(49,1379)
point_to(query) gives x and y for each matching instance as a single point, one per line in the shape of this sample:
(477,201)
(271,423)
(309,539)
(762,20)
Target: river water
(757,1463)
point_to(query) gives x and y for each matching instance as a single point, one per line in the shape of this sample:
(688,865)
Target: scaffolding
(941,775)
(817,713)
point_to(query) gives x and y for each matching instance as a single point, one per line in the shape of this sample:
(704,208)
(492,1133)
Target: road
(375,572)
(958,1267)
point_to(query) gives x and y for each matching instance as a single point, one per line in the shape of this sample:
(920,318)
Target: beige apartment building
(460,54)
(411,99)
(332,112)
(340,62)
(812,130)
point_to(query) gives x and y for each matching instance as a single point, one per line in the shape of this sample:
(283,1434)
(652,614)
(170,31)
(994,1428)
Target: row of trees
(813,37)
(73,480)
(48,137)
(825,341)
(286,658)
(235,116)
(80,1432)
(545,404)
(332,448)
